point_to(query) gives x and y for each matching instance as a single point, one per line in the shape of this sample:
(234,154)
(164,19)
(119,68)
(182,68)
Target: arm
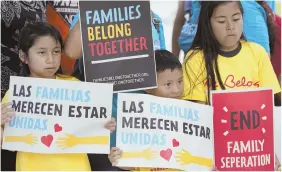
(178,23)
(73,44)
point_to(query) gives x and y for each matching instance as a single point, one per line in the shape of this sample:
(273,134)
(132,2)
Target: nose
(49,58)
(176,90)
(230,25)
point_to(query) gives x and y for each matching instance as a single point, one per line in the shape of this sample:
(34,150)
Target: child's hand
(111,125)
(6,113)
(214,168)
(115,155)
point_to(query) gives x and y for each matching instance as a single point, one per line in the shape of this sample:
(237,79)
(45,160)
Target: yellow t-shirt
(250,68)
(51,162)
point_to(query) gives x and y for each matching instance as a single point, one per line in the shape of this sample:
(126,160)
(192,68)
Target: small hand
(29,139)
(183,157)
(111,125)
(6,113)
(148,154)
(115,155)
(214,168)
(68,142)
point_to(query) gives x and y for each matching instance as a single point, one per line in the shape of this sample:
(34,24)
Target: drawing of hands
(184,158)
(72,140)
(67,142)
(28,139)
(148,154)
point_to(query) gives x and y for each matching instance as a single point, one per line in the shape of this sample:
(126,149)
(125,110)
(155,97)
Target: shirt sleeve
(75,20)
(5,98)
(194,77)
(267,75)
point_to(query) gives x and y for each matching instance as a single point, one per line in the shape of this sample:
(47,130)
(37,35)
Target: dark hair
(206,42)
(28,36)
(270,24)
(166,60)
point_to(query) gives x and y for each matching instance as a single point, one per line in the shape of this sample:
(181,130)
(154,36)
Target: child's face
(170,84)
(227,25)
(44,57)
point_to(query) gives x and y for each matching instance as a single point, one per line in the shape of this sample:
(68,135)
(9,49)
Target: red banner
(243,130)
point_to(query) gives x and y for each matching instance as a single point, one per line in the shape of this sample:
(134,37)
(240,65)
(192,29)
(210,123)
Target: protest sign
(57,116)
(277,131)
(243,130)
(118,44)
(164,133)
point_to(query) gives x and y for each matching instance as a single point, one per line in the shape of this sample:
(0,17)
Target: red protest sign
(243,130)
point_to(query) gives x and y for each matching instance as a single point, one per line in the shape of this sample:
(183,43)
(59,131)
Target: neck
(231,48)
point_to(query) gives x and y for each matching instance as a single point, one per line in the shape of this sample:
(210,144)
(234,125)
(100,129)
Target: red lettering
(114,48)
(91,45)
(143,43)
(136,45)
(120,45)
(231,78)
(229,82)
(107,48)
(128,45)
(100,49)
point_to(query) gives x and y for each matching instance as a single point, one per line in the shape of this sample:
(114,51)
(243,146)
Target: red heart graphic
(166,154)
(47,140)
(175,143)
(58,128)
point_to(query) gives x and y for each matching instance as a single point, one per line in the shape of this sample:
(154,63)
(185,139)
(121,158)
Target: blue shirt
(254,19)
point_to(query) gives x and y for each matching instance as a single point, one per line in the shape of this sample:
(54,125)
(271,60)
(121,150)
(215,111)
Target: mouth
(50,68)
(231,35)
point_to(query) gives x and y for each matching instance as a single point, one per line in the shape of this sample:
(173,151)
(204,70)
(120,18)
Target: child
(40,47)
(170,85)
(220,58)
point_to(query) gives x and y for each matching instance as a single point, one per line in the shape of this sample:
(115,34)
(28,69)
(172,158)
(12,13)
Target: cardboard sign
(243,130)
(57,116)
(118,44)
(164,133)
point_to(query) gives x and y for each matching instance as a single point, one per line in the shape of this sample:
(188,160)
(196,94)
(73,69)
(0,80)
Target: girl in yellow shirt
(221,58)
(40,47)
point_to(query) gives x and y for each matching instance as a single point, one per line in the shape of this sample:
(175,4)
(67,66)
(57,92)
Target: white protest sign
(164,133)
(277,132)
(57,116)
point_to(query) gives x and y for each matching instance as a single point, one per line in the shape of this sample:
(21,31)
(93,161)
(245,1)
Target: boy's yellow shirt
(51,162)
(250,68)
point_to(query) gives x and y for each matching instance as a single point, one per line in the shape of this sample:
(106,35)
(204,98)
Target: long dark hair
(270,24)
(206,42)
(28,36)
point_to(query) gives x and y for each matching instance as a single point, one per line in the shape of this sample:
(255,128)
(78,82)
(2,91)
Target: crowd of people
(223,42)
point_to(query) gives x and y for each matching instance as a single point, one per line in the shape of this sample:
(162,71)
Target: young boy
(170,85)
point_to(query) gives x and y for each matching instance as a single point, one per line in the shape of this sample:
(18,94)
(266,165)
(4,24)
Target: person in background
(14,16)
(184,31)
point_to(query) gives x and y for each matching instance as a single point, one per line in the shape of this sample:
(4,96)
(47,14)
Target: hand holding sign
(6,112)
(185,158)
(28,139)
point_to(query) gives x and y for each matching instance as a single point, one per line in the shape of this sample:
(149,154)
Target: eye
(236,19)
(167,84)
(180,81)
(41,52)
(57,51)
(221,22)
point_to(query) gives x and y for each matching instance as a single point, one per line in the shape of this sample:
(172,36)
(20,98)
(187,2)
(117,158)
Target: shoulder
(253,46)
(194,57)
(66,77)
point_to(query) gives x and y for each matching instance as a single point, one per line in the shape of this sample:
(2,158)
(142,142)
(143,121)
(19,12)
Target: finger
(4,105)
(178,156)
(179,153)
(61,139)
(114,164)
(182,163)
(114,149)
(185,151)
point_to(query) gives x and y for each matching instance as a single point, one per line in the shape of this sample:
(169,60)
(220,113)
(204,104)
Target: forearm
(73,44)
(202,161)
(97,140)
(131,155)
(178,24)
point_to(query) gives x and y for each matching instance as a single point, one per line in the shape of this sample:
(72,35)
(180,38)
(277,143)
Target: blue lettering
(38,91)
(87,96)
(138,12)
(96,17)
(88,17)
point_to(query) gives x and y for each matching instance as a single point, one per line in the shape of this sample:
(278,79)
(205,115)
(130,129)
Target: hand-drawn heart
(47,140)
(166,154)
(58,128)
(175,143)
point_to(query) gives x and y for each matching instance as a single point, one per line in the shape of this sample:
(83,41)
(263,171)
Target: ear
(23,57)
